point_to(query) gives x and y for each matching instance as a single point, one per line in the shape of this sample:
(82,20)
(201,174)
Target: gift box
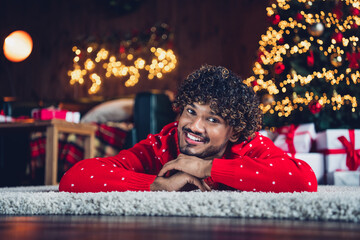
(341,148)
(296,139)
(269,134)
(316,162)
(48,114)
(72,117)
(344,178)
(4,118)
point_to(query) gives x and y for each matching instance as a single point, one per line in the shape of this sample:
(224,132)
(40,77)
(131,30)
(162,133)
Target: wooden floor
(108,227)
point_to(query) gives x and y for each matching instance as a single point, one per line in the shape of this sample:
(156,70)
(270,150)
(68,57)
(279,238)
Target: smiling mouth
(194,139)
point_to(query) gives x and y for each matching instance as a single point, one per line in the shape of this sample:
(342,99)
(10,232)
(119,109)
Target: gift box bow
(290,133)
(352,154)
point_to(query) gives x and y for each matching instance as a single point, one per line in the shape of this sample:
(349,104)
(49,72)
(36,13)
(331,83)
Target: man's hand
(177,181)
(194,166)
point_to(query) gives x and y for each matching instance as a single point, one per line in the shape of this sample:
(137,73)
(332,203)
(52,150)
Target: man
(214,145)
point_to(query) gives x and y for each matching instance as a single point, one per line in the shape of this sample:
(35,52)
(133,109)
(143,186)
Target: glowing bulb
(17,46)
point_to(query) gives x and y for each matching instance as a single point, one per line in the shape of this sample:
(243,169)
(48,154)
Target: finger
(206,186)
(197,182)
(167,167)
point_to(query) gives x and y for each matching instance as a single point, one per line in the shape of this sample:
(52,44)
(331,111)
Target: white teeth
(193,138)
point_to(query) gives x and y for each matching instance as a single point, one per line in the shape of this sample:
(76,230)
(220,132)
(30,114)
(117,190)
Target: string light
(275,51)
(96,63)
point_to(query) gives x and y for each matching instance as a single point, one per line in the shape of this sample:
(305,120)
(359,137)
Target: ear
(233,138)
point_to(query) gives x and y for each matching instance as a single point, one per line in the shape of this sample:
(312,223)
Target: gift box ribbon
(290,133)
(290,139)
(352,155)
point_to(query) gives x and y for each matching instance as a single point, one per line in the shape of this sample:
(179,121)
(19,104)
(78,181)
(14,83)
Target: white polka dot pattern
(252,165)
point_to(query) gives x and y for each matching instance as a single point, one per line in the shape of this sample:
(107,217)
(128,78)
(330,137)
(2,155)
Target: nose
(197,126)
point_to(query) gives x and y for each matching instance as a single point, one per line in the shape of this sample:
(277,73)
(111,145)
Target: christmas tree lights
(308,63)
(128,59)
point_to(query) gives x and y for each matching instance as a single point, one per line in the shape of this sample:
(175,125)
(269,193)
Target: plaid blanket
(109,140)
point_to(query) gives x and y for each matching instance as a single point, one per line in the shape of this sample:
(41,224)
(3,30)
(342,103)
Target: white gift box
(4,118)
(72,117)
(335,153)
(344,178)
(304,135)
(316,162)
(269,134)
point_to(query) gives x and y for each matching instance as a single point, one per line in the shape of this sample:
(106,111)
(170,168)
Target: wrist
(156,185)
(208,168)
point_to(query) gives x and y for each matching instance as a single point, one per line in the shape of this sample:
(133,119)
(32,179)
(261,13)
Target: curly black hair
(227,95)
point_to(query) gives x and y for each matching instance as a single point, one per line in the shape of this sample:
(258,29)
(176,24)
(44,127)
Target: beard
(210,151)
(207,153)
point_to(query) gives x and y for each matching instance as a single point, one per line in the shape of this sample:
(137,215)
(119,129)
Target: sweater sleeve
(260,166)
(130,170)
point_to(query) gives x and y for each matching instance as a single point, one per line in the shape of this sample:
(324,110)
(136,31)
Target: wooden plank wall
(219,32)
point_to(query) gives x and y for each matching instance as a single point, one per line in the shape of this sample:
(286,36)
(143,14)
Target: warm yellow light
(17,46)
(161,62)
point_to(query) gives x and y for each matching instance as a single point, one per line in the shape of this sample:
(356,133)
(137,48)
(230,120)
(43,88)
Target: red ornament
(259,57)
(354,26)
(353,59)
(122,49)
(310,59)
(355,11)
(337,37)
(315,107)
(338,11)
(279,67)
(281,41)
(254,83)
(275,19)
(299,17)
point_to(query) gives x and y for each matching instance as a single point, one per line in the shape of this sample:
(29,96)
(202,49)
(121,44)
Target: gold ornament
(316,29)
(294,96)
(267,99)
(336,59)
(296,39)
(308,4)
(292,72)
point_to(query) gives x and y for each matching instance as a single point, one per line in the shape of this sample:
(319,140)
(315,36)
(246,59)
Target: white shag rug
(330,203)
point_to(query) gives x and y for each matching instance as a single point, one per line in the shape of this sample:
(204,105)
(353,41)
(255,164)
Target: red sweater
(256,165)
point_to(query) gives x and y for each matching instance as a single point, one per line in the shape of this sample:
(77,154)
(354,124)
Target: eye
(214,120)
(192,112)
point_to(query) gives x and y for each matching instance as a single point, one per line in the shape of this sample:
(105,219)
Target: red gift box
(48,114)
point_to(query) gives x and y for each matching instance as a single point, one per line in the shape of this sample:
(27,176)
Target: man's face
(202,133)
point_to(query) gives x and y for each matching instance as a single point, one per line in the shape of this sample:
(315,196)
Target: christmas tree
(308,64)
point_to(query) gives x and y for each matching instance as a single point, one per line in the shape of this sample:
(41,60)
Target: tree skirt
(330,203)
